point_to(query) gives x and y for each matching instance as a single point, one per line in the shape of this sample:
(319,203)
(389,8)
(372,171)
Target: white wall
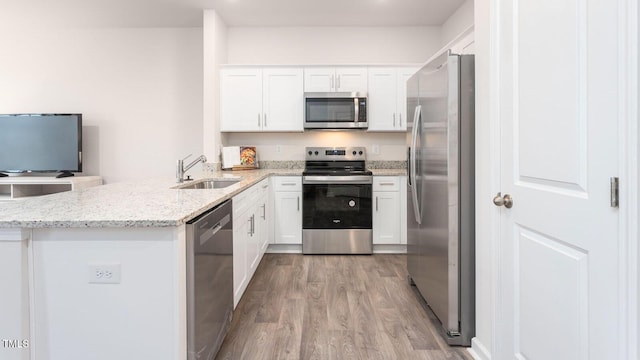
(457,23)
(215,53)
(332,45)
(139,89)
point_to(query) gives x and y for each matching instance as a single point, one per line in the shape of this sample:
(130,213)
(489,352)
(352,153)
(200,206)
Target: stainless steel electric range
(336,216)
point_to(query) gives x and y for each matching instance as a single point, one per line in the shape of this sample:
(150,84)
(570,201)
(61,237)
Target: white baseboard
(284,249)
(478,350)
(297,249)
(390,249)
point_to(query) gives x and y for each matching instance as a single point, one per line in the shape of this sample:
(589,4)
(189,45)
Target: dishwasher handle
(204,237)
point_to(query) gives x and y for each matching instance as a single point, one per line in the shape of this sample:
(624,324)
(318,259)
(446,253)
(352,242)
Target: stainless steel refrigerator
(440,214)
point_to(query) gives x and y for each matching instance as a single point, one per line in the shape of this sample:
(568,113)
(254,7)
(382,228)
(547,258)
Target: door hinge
(615,192)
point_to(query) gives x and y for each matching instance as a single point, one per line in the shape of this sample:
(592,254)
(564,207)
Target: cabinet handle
(264,211)
(288,184)
(376,203)
(298,203)
(250,226)
(338,83)
(387,184)
(253,224)
(331,82)
(265,186)
(394,119)
(400,117)
(264,122)
(258,119)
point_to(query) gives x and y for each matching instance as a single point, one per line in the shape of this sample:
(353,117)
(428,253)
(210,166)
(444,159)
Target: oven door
(336,202)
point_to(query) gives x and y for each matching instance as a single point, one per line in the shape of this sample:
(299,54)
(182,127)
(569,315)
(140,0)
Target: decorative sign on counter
(239,157)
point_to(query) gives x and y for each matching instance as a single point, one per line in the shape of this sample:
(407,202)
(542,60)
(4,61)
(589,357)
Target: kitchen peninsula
(49,244)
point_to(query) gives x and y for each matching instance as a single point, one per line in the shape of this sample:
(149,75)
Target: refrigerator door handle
(409,164)
(417,117)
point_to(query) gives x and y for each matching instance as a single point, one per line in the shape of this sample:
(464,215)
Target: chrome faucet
(181,169)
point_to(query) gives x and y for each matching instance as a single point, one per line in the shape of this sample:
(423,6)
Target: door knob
(505,200)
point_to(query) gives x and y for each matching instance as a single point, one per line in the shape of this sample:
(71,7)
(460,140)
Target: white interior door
(559,93)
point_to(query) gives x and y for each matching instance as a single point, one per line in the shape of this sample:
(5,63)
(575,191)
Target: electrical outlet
(376,149)
(104,273)
(278,149)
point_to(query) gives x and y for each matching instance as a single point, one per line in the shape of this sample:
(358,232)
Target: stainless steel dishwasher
(209,281)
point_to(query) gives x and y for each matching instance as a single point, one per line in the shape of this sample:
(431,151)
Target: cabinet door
(351,79)
(319,79)
(240,99)
(262,217)
(253,243)
(241,229)
(381,111)
(288,217)
(282,99)
(386,217)
(403,74)
(262,224)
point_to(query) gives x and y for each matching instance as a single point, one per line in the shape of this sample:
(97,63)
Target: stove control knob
(360,152)
(310,152)
(316,153)
(354,153)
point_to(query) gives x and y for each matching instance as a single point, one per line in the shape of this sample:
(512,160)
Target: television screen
(41,143)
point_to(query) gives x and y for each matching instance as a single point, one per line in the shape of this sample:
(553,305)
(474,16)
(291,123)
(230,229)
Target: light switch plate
(376,149)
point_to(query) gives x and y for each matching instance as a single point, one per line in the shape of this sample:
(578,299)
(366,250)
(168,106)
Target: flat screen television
(42,143)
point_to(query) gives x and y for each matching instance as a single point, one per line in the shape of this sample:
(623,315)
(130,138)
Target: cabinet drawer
(244,200)
(263,186)
(287,183)
(386,183)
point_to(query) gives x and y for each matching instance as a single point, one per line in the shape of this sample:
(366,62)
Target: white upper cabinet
(240,99)
(256,99)
(338,79)
(319,79)
(282,99)
(387,95)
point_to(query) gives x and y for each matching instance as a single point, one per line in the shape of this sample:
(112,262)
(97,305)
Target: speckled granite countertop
(143,203)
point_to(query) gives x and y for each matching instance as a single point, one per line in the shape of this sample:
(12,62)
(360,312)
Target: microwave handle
(356,104)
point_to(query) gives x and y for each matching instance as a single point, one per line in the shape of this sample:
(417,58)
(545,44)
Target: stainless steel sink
(208,184)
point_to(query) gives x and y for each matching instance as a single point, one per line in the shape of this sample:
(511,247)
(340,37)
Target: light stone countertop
(389,172)
(140,203)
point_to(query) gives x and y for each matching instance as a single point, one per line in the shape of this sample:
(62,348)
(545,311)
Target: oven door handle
(355,179)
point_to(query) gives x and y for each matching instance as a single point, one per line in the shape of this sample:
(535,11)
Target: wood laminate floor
(334,307)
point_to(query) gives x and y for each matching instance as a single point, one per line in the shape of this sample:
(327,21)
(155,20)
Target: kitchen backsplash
(209,168)
(291,146)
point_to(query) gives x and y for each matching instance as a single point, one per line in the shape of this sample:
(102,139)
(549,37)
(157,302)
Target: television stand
(23,187)
(64,174)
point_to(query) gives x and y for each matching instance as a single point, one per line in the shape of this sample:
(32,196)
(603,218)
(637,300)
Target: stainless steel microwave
(335,110)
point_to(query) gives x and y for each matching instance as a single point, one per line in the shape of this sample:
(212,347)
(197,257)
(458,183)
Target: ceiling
(188,13)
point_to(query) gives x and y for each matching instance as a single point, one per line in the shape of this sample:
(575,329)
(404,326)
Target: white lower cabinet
(263,216)
(250,234)
(287,209)
(389,210)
